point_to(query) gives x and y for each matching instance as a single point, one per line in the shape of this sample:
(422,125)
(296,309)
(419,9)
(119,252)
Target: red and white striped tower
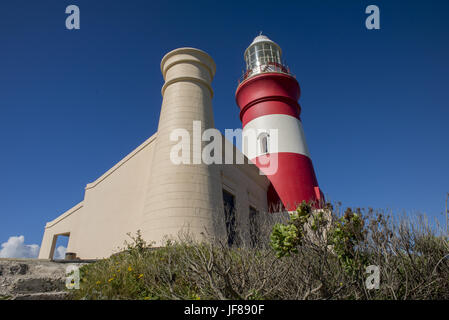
(268,99)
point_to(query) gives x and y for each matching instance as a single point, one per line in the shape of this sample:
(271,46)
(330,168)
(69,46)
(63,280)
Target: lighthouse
(267,96)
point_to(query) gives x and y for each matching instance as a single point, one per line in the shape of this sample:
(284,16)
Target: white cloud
(60,252)
(15,247)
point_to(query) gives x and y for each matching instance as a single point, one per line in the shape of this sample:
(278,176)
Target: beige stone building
(146,191)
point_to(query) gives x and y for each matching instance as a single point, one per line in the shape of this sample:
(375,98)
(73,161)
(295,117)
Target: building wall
(248,187)
(113,204)
(146,191)
(111,207)
(62,225)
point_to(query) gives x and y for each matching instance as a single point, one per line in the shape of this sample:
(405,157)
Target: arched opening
(263,142)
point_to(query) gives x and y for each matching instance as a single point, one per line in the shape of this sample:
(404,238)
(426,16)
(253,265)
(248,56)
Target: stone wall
(33,279)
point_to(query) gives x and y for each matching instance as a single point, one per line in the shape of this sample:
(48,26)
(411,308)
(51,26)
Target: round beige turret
(182,196)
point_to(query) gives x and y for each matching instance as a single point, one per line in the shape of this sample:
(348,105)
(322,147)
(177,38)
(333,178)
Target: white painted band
(285,134)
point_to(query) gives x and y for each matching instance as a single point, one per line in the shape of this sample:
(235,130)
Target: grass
(319,258)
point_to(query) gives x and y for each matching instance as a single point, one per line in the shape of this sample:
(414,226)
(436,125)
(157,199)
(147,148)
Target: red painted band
(267,87)
(294,180)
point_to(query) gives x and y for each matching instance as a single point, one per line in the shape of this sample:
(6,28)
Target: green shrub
(344,236)
(285,238)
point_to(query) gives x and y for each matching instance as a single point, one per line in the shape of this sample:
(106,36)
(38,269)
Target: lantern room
(262,56)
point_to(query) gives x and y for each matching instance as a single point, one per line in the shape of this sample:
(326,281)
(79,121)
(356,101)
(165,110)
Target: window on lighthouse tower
(263,142)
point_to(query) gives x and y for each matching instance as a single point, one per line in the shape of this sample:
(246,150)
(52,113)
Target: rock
(18,269)
(33,279)
(42,296)
(38,285)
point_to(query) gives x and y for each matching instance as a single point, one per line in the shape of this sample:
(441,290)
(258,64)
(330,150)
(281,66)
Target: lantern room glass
(263,57)
(262,53)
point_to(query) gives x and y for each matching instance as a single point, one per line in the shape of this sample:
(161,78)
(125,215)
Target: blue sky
(73,103)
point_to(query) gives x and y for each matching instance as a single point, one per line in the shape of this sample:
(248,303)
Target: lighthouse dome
(263,38)
(260,38)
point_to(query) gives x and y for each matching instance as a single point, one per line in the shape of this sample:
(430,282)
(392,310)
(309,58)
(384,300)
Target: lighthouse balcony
(270,67)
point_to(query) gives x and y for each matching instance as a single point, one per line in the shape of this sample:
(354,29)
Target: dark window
(229,211)
(253,226)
